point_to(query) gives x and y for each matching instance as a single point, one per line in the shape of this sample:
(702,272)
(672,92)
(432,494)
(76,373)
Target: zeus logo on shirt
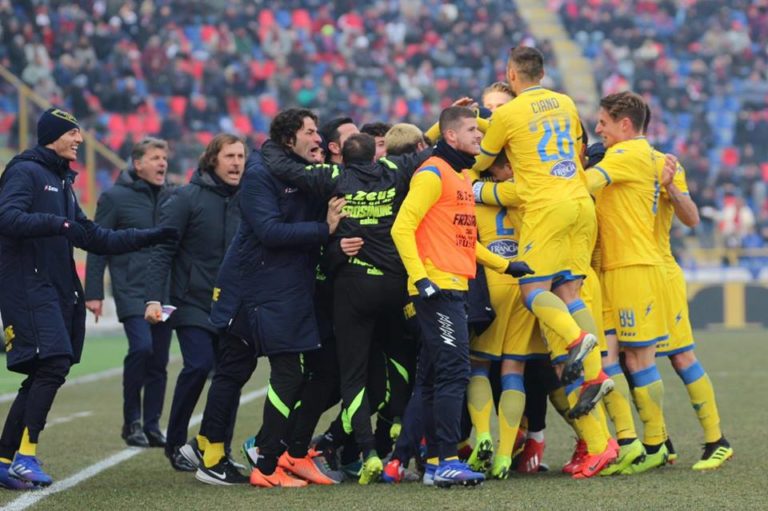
(49,188)
(564,168)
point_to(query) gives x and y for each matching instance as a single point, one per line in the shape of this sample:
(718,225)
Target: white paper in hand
(167,311)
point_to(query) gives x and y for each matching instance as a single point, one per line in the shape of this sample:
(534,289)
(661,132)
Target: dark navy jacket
(132,202)
(41,298)
(277,250)
(207,215)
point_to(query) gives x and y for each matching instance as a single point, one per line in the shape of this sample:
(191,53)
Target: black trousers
(197,350)
(235,365)
(445,357)
(286,382)
(319,393)
(363,306)
(539,379)
(144,369)
(33,402)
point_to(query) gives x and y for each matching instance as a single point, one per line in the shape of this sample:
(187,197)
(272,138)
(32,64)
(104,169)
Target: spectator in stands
(736,221)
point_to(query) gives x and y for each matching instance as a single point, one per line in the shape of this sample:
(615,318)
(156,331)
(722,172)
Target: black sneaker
(715,454)
(134,435)
(672,453)
(155,437)
(221,474)
(591,394)
(179,462)
(233,461)
(192,453)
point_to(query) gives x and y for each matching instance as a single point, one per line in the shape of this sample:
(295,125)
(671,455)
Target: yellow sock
(202,442)
(550,310)
(480,402)
(598,412)
(5,461)
(702,396)
(511,408)
(617,404)
(583,318)
(649,399)
(587,425)
(27,448)
(213,454)
(560,401)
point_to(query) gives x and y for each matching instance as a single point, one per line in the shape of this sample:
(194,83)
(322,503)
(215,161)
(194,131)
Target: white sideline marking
(88,378)
(68,418)
(33,497)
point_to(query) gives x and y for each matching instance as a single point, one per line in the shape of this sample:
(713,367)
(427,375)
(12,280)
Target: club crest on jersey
(504,248)
(564,168)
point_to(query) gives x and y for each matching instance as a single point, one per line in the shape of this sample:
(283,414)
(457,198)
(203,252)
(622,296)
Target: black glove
(427,288)
(74,232)
(518,269)
(157,235)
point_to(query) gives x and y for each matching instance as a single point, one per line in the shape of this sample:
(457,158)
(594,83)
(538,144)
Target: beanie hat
(54,123)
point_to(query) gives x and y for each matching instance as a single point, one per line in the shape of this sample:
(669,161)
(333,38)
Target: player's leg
(640,318)
(702,395)
(443,322)
(511,408)
(49,376)
(286,380)
(155,383)
(545,246)
(355,305)
(11,437)
(236,364)
(680,351)
(580,246)
(480,406)
(197,350)
(139,335)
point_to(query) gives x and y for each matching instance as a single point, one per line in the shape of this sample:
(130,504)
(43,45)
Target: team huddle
(495,262)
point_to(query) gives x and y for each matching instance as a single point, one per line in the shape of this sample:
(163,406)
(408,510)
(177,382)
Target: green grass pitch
(734,360)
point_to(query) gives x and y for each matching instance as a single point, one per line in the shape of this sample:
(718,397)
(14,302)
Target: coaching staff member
(41,299)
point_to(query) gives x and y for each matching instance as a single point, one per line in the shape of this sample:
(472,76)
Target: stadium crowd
(703,67)
(184,73)
(350,257)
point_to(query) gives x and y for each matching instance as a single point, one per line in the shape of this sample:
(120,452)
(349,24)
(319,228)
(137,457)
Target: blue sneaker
(27,468)
(11,483)
(250,451)
(454,472)
(429,474)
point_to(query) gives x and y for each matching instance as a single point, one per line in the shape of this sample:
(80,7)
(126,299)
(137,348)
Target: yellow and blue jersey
(541,134)
(628,179)
(666,211)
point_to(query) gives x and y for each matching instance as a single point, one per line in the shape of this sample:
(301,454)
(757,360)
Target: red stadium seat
(204,137)
(268,106)
(242,124)
(178,105)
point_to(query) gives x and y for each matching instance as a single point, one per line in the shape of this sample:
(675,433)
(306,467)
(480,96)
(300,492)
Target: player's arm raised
(673,180)
(493,142)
